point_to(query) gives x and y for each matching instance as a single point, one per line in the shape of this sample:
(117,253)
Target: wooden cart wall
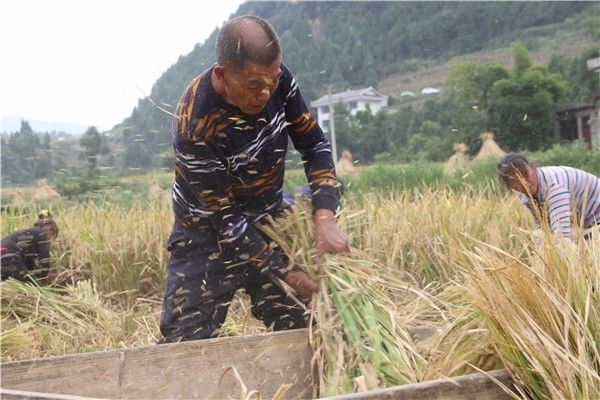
(189,370)
(196,370)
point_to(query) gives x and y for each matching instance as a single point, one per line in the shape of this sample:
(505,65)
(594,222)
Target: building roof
(430,90)
(591,101)
(349,95)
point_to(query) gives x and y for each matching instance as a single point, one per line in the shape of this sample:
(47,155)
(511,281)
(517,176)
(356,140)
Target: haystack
(489,147)
(458,160)
(45,193)
(17,198)
(154,191)
(344,165)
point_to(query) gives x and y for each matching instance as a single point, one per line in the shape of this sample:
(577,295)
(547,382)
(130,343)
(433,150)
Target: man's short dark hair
(237,45)
(512,166)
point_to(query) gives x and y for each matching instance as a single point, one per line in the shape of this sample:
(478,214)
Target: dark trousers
(12,266)
(202,278)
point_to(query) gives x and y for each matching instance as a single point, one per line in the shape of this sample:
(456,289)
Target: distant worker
(564,195)
(230,137)
(27,251)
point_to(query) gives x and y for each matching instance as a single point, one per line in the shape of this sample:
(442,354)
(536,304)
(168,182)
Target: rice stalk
(68,320)
(543,315)
(357,335)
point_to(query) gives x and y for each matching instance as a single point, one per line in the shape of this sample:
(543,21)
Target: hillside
(569,38)
(352,44)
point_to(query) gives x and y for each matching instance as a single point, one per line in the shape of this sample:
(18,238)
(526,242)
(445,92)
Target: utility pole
(332,127)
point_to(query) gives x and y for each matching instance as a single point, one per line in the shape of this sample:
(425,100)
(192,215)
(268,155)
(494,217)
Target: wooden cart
(206,369)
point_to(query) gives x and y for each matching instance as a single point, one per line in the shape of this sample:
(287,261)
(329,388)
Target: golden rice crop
(39,321)
(461,263)
(543,314)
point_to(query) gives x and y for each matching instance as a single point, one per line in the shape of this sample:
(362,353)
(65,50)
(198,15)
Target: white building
(430,90)
(355,100)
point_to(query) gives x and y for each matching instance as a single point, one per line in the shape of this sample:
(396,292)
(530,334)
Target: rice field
(465,262)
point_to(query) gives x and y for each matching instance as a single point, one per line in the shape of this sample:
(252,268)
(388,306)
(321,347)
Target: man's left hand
(328,237)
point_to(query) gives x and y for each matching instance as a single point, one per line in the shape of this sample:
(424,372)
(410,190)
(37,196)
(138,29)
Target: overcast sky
(89,61)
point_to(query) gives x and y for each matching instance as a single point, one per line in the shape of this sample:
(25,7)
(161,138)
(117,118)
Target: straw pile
(489,147)
(458,161)
(45,193)
(345,166)
(154,191)
(17,198)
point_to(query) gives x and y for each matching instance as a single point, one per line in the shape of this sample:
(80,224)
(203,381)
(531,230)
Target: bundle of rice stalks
(462,344)
(45,193)
(463,347)
(489,147)
(543,315)
(458,161)
(358,342)
(40,321)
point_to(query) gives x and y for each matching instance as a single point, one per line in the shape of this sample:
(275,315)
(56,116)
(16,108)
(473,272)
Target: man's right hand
(302,283)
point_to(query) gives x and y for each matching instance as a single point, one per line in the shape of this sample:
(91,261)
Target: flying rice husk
(489,147)
(458,160)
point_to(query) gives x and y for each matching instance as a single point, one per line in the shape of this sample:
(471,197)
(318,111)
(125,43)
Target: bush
(575,155)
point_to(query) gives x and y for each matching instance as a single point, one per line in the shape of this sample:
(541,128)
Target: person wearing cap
(230,135)
(563,196)
(25,253)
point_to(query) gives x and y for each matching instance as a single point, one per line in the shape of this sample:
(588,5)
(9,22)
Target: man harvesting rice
(230,137)
(559,193)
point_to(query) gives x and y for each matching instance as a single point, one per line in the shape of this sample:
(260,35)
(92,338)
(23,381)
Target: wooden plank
(194,370)
(179,370)
(466,387)
(9,394)
(185,370)
(87,374)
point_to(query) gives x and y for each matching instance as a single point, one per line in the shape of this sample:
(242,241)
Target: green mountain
(393,46)
(350,44)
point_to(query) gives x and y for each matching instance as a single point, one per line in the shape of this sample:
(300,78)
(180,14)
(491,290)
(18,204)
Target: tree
(468,87)
(43,159)
(91,144)
(519,105)
(582,81)
(522,106)
(522,61)
(137,156)
(20,154)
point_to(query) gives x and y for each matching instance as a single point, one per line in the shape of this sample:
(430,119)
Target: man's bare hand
(328,237)
(302,283)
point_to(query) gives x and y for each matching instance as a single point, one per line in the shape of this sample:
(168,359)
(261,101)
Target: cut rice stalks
(359,344)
